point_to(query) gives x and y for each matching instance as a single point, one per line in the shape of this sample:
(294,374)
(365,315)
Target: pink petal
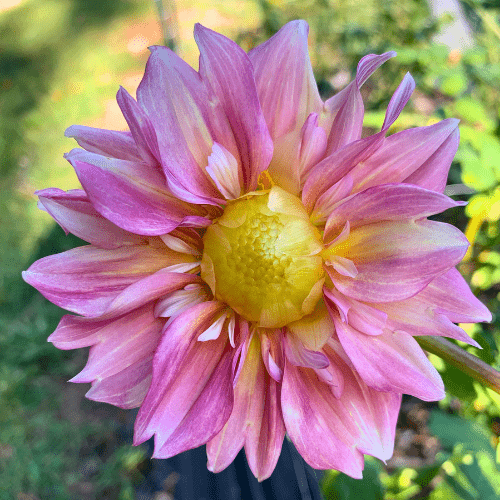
(132,195)
(363,317)
(405,152)
(312,145)
(330,198)
(460,306)
(73,211)
(433,173)
(74,332)
(121,343)
(387,202)
(228,74)
(348,104)
(87,279)
(191,394)
(255,421)
(446,299)
(333,168)
(321,430)
(140,126)
(320,189)
(126,389)
(391,362)
(398,101)
(110,143)
(374,413)
(285,81)
(176,101)
(395,260)
(149,289)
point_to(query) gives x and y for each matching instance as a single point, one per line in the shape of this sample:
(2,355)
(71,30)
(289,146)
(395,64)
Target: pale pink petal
(271,349)
(231,325)
(374,413)
(140,126)
(73,211)
(228,73)
(325,438)
(214,330)
(223,169)
(132,195)
(110,143)
(392,362)
(242,334)
(189,239)
(404,153)
(87,279)
(180,245)
(299,355)
(255,421)
(176,302)
(395,260)
(387,202)
(343,266)
(333,376)
(285,81)
(191,393)
(174,98)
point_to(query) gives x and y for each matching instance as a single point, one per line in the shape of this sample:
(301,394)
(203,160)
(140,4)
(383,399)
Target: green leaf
(451,429)
(337,486)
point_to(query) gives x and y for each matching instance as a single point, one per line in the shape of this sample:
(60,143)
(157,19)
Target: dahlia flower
(255,267)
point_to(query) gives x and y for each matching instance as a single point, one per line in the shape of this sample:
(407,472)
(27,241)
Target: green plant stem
(463,360)
(168,22)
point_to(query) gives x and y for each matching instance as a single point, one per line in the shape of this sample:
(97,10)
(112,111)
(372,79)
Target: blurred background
(61,62)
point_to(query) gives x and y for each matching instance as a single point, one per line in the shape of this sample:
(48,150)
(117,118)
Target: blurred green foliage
(61,59)
(52,74)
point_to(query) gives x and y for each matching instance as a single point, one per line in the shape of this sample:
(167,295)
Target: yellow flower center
(262,258)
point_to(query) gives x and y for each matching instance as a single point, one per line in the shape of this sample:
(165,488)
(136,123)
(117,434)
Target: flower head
(256,267)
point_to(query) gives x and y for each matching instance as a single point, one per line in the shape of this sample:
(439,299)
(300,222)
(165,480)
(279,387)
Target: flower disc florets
(261,258)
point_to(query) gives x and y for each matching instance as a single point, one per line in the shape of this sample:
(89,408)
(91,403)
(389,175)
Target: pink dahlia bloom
(254,266)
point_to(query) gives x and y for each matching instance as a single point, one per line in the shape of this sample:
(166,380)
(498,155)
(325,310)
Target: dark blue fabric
(292,479)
